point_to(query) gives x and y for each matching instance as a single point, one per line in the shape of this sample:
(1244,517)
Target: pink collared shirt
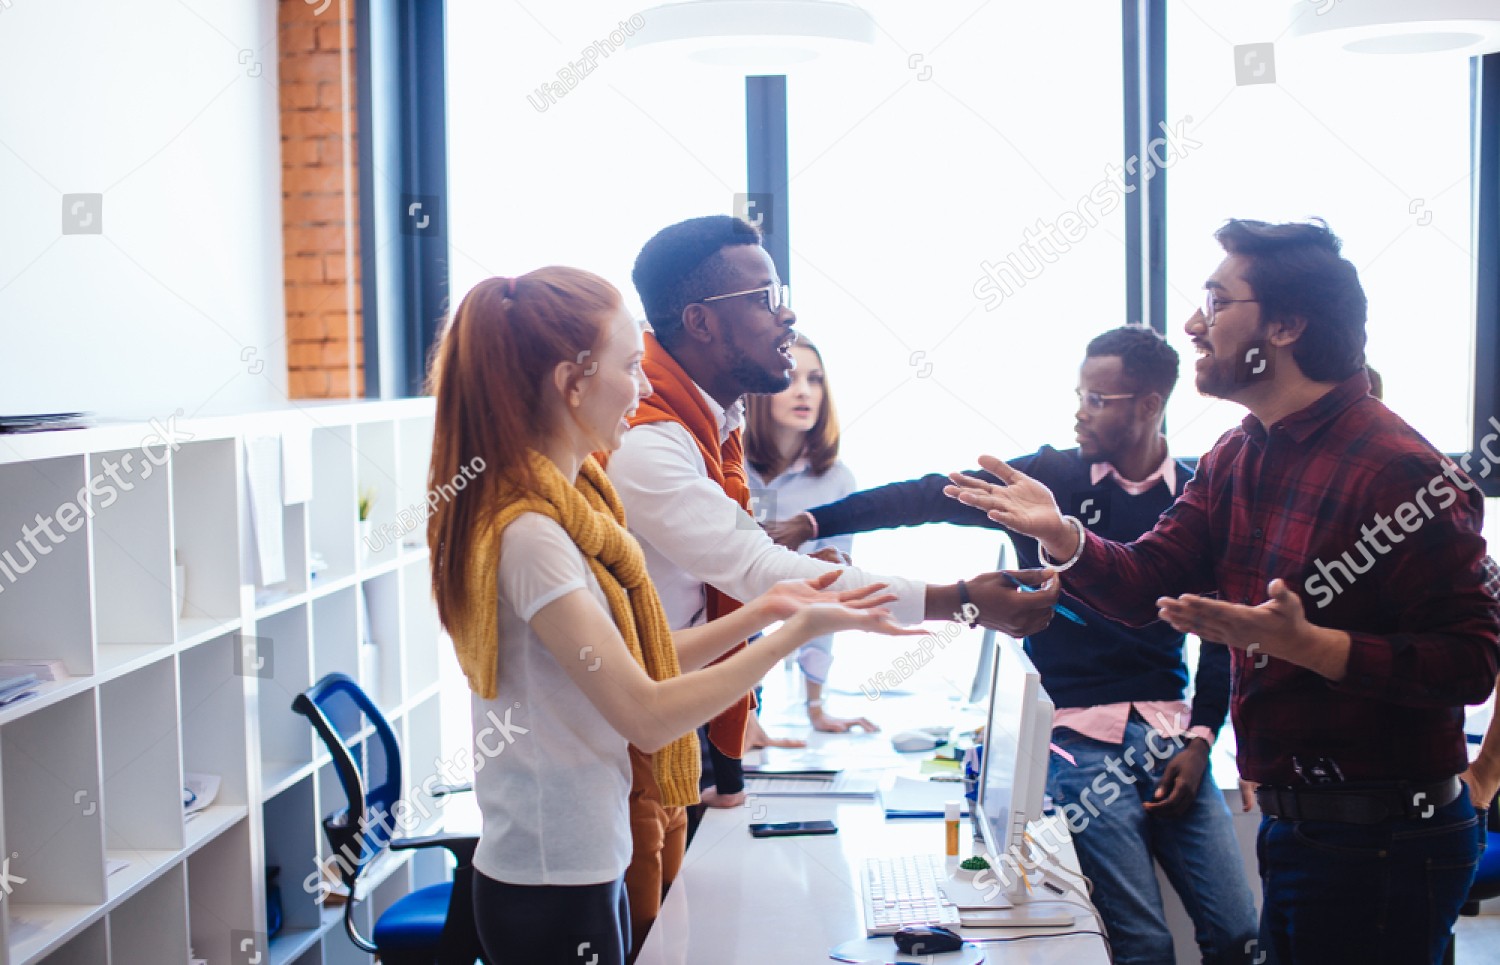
(1106,722)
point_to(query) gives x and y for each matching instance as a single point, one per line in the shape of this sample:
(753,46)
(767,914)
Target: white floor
(1479,940)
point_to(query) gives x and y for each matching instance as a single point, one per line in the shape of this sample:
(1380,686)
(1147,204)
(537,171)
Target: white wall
(169,110)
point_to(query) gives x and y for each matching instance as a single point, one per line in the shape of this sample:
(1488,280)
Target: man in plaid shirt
(1346,558)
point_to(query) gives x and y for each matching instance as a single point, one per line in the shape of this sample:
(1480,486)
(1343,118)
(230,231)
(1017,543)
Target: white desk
(788,901)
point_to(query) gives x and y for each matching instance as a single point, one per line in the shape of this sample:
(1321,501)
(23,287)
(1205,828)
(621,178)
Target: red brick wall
(317,188)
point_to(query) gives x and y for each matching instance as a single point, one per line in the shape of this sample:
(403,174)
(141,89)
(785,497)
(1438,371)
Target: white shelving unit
(98,865)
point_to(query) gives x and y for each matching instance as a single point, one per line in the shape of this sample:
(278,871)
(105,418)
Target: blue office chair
(430,925)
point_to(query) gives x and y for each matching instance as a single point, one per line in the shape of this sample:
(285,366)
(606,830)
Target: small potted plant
(366,526)
(971,868)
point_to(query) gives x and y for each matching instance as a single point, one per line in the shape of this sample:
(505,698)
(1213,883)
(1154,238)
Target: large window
(968,138)
(1377,146)
(583,177)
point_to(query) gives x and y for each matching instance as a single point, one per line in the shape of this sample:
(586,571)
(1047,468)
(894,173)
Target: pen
(1059,608)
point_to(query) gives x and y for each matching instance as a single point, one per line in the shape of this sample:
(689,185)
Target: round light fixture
(1464,27)
(753,35)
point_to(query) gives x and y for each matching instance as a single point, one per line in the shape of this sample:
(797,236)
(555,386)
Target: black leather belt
(1357,803)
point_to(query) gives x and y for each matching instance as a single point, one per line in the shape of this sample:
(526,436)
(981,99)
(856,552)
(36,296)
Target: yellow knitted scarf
(593,517)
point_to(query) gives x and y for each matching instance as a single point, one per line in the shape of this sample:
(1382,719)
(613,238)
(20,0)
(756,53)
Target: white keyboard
(905,890)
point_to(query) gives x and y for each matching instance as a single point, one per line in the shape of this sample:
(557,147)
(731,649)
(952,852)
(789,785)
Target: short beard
(751,378)
(1218,380)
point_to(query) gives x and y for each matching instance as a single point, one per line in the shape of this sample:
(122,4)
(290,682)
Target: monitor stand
(988,903)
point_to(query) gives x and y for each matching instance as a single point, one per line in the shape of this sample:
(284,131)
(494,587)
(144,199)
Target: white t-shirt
(551,776)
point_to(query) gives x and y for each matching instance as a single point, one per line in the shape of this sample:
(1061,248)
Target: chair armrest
(460,845)
(440,790)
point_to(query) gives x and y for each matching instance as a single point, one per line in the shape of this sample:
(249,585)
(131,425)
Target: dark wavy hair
(1297,272)
(681,265)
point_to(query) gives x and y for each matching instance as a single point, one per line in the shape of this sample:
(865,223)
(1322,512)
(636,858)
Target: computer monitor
(1017,741)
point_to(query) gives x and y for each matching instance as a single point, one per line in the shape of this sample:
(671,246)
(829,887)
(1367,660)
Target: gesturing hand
(787,597)
(1013,611)
(832,554)
(1279,618)
(1021,503)
(790,533)
(1276,628)
(818,619)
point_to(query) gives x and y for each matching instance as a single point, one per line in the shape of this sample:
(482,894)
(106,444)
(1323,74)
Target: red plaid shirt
(1300,502)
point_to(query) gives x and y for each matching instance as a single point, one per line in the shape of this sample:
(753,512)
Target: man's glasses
(1212,302)
(1096,401)
(776,297)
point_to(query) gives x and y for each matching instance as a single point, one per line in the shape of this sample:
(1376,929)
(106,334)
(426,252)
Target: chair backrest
(368,761)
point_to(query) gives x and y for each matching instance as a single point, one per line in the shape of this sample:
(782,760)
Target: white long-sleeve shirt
(693,533)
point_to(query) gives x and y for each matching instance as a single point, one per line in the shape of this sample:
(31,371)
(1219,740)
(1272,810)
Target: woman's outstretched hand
(788,597)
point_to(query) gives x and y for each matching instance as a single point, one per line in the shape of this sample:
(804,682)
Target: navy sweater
(1103,662)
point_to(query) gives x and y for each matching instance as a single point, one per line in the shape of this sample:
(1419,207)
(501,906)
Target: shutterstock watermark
(1107,785)
(1377,538)
(405,816)
(573,73)
(1046,242)
(904,667)
(408,519)
(97,494)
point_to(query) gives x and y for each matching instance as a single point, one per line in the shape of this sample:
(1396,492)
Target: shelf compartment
(414,438)
(423,633)
(134,578)
(53,824)
(205,532)
(213,708)
(336,638)
(282,671)
(53,820)
(375,473)
(383,595)
(333,514)
(150,927)
(291,829)
(45,598)
(221,924)
(88,947)
(139,739)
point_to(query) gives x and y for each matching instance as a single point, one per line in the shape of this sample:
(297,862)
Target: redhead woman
(555,622)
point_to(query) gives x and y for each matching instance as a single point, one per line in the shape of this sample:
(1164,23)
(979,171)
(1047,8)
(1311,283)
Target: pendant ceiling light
(754,35)
(1460,27)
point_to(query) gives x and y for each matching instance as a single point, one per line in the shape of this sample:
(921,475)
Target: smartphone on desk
(786,829)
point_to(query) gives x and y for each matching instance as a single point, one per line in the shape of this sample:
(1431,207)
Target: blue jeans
(1367,893)
(1116,841)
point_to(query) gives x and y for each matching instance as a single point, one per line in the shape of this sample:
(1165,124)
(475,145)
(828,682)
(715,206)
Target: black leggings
(547,924)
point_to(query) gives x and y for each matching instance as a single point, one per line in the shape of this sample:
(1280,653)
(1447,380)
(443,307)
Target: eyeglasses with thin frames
(777,296)
(1096,401)
(1212,302)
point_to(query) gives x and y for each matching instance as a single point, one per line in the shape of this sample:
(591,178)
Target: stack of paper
(46,421)
(38,668)
(14,688)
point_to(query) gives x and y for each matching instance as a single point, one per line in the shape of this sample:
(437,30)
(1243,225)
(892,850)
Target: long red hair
(491,370)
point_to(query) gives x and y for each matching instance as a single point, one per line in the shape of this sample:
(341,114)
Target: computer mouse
(927,940)
(914,740)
